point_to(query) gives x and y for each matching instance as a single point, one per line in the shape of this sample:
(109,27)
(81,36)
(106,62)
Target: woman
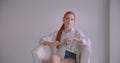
(66,41)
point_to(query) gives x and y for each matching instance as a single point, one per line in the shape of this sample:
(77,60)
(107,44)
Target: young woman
(66,41)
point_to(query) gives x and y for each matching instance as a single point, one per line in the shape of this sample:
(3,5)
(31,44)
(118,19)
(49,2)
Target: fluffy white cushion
(42,54)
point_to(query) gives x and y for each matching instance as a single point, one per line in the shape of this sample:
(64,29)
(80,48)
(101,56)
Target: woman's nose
(69,20)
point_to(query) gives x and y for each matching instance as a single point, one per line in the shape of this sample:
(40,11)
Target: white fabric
(72,47)
(42,54)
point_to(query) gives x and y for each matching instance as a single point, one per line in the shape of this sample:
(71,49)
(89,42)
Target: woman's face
(69,21)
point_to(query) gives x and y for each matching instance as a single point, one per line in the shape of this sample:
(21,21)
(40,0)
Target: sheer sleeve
(49,38)
(84,39)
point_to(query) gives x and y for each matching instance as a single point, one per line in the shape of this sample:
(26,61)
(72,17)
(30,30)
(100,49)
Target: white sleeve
(42,39)
(85,39)
(49,38)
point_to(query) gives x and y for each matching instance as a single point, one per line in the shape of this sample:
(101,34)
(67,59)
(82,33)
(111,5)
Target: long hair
(58,37)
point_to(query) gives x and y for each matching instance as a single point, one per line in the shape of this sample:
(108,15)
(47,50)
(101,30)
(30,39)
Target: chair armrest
(85,53)
(41,54)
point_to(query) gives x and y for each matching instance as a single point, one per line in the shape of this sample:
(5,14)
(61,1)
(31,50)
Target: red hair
(58,37)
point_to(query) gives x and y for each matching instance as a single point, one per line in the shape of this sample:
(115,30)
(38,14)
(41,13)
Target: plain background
(114,31)
(24,22)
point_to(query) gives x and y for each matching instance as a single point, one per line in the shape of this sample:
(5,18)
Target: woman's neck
(67,30)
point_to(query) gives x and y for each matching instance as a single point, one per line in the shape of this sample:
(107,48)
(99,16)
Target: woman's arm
(67,40)
(45,43)
(77,40)
(56,43)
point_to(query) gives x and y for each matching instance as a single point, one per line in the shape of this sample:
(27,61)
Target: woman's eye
(67,18)
(71,19)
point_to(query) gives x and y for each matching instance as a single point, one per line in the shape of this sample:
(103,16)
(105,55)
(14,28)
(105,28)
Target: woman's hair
(58,37)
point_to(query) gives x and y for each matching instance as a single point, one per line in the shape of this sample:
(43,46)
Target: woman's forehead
(69,16)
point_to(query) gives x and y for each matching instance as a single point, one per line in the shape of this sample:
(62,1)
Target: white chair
(42,54)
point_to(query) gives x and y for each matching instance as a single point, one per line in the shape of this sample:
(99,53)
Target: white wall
(23,22)
(114,31)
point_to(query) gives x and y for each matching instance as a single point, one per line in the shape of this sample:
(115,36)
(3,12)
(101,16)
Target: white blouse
(71,46)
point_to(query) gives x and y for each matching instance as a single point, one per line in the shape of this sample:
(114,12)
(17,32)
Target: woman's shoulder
(79,32)
(49,35)
(52,33)
(76,30)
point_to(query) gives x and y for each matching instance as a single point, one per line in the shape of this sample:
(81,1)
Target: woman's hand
(67,40)
(71,39)
(56,43)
